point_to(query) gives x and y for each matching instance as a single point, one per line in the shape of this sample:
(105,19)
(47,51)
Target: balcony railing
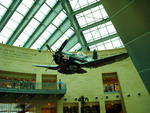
(14,84)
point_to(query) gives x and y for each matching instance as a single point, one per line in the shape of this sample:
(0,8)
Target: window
(70,108)
(92,107)
(110,83)
(113,106)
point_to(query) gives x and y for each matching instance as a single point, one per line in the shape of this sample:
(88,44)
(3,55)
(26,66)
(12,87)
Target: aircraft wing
(103,61)
(53,67)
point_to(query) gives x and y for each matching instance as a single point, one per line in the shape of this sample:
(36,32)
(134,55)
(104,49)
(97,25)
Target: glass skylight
(103,36)
(21,39)
(17,17)
(65,36)
(2,11)
(39,16)
(6,32)
(45,9)
(51,28)
(56,22)
(109,44)
(41,40)
(3,39)
(91,16)
(99,32)
(11,24)
(76,47)
(6,3)
(34,23)
(78,4)
(28,3)
(117,43)
(23,9)
(18,43)
(45,34)
(51,3)
(35,46)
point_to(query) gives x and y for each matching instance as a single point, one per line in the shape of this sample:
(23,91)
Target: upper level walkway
(32,90)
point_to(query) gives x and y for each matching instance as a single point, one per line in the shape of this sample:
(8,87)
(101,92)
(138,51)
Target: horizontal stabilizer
(95,54)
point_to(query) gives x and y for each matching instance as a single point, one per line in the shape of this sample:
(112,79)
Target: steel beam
(44,24)
(14,5)
(73,40)
(57,34)
(75,25)
(94,24)
(35,7)
(102,39)
(87,8)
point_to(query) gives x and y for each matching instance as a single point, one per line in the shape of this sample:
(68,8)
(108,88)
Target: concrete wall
(15,59)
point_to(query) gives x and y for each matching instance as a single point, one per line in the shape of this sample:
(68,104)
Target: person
(106,88)
(114,86)
(14,83)
(21,84)
(60,83)
(30,84)
(24,84)
(33,84)
(109,88)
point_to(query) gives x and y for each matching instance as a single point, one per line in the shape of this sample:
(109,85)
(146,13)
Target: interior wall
(89,84)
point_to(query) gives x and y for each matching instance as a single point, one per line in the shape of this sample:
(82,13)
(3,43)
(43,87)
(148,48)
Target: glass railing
(31,85)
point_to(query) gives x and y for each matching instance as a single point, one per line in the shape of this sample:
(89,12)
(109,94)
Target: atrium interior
(32,30)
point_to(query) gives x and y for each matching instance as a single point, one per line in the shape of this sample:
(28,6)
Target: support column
(59,107)
(79,107)
(38,81)
(38,108)
(102,106)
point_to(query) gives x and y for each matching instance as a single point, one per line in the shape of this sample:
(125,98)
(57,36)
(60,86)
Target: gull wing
(53,67)
(103,61)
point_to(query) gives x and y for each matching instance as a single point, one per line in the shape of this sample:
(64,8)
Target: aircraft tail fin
(95,54)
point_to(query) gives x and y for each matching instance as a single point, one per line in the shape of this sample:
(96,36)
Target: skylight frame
(51,31)
(2,11)
(76,4)
(93,34)
(91,16)
(7,3)
(99,31)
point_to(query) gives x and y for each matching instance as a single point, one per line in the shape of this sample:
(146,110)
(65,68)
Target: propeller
(62,46)
(57,54)
(49,48)
(60,49)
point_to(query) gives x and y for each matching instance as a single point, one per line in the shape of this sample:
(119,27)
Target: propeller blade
(49,48)
(50,64)
(62,46)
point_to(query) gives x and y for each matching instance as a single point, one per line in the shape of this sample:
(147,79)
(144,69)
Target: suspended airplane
(70,63)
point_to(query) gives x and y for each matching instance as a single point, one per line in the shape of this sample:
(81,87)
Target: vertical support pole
(59,107)
(38,81)
(79,107)
(102,106)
